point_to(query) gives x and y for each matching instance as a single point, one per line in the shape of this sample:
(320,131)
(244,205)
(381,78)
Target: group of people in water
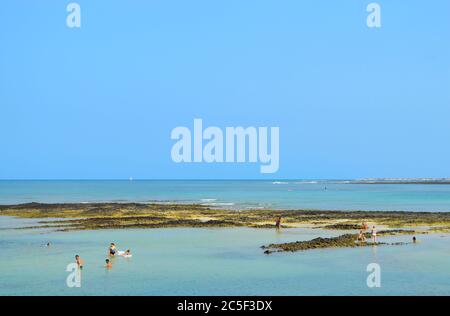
(361,236)
(112,252)
(373,234)
(362,233)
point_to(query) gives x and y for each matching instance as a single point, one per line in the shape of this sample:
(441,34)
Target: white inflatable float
(123,254)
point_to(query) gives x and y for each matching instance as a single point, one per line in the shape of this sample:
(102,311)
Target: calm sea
(295,194)
(215,261)
(221,261)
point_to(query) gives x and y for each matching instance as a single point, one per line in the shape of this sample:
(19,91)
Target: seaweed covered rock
(343,241)
(343,226)
(347,240)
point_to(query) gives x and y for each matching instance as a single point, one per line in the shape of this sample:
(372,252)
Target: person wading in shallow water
(278,222)
(374,234)
(112,250)
(79,261)
(108,264)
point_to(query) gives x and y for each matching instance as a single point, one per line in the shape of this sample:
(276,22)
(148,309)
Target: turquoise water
(325,195)
(227,261)
(221,261)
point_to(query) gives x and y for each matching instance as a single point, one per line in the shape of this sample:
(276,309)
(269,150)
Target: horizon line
(229,179)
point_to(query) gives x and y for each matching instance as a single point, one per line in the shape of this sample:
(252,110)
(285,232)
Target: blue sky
(100,102)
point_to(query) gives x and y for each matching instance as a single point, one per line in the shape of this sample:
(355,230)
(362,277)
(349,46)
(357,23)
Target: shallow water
(295,194)
(219,261)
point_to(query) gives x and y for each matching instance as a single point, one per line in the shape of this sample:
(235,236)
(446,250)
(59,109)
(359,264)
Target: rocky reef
(343,226)
(80,216)
(343,241)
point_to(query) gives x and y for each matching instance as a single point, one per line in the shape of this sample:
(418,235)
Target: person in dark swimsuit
(112,249)
(278,222)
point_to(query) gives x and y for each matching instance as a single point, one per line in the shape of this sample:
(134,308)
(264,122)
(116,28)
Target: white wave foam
(218,204)
(307,182)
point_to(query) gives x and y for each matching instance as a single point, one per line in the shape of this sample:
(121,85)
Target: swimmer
(108,264)
(126,254)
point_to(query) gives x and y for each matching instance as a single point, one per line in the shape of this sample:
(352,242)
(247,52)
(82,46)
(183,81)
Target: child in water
(108,264)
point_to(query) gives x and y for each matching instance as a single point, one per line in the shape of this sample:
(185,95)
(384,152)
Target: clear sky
(100,102)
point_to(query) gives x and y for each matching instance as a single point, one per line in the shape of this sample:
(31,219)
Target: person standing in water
(108,264)
(278,222)
(112,249)
(374,234)
(79,261)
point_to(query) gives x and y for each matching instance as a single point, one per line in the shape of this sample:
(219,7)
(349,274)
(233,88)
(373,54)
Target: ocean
(285,194)
(221,261)
(215,261)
